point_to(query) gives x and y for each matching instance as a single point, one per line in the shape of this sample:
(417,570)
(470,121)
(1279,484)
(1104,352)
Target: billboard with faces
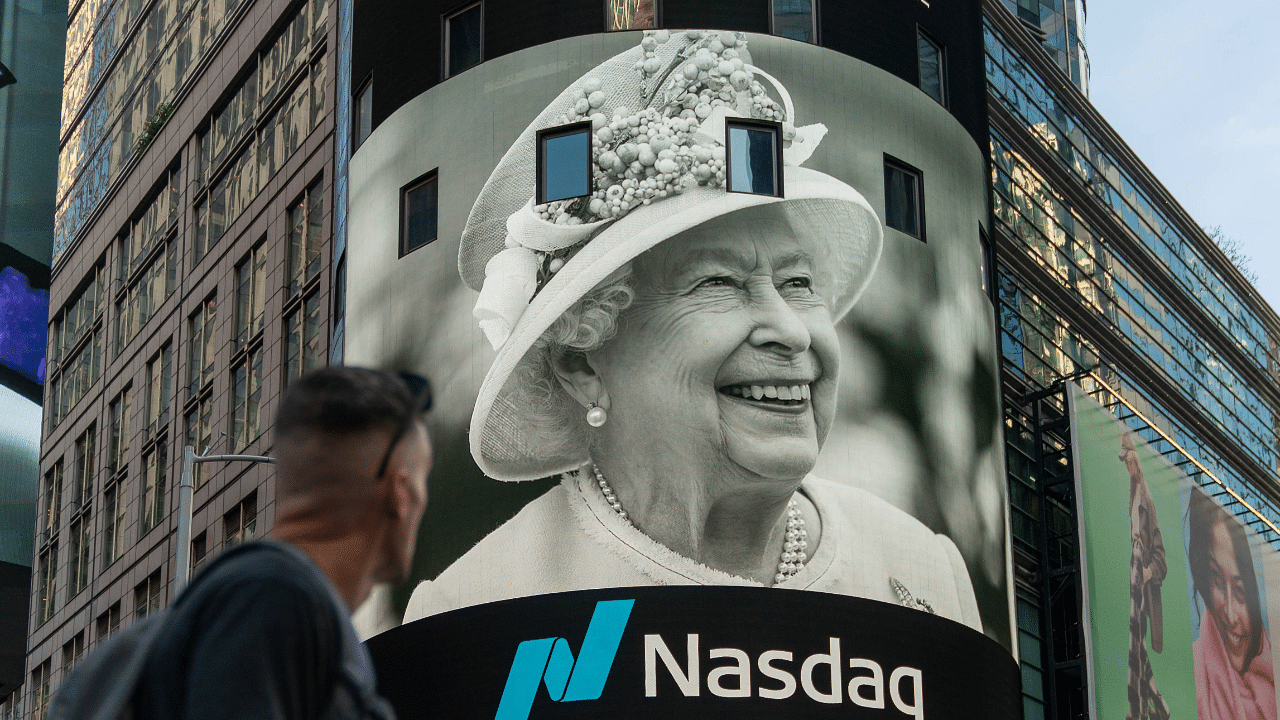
(1176,585)
(705,315)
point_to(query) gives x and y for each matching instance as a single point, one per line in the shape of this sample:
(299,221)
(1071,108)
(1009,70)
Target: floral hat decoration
(658,114)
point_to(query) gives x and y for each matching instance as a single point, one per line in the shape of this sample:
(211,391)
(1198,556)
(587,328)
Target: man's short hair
(341,400)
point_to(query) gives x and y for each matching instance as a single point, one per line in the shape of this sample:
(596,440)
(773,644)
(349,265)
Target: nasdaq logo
(550,662)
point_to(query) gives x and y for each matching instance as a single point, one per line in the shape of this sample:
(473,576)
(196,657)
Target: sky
(1194,88)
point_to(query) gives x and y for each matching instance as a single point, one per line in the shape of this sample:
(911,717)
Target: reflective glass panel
(753,160)
(420,206)
(462,40)
(794,19)
(566,166)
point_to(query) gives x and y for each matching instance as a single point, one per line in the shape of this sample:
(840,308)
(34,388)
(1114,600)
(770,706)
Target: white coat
(570,539)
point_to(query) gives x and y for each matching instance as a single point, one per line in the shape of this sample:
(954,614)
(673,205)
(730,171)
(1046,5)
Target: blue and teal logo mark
(549,661)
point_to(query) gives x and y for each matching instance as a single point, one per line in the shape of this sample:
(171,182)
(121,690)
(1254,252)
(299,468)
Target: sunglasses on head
(420,389)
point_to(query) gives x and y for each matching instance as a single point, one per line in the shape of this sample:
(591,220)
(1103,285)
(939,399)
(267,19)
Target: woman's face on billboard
(728,352)
(1227,596)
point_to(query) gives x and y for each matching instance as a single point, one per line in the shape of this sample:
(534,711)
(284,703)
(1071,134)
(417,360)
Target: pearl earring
(596,415)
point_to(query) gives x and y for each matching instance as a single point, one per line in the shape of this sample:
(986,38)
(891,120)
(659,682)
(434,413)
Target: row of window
(1054,125)
(753,152)
(758,171)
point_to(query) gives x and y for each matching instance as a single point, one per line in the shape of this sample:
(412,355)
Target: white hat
(531,270)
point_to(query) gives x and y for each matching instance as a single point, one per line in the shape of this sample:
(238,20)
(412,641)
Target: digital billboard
(736,355)
(1175,585)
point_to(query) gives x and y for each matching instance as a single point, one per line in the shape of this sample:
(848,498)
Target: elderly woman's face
(729,350)
(1227,602)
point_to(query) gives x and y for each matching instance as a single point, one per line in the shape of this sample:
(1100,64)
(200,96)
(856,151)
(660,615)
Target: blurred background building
(195,256)
(32,35)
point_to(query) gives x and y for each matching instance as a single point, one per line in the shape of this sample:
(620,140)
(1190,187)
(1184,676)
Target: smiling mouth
(1234,639)
(777,395)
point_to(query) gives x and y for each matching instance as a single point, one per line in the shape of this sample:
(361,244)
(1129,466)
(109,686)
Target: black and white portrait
(688,374)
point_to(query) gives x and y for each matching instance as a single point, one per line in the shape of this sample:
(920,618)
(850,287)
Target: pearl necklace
(793,548)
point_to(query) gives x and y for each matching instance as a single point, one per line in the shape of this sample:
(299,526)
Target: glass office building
(1101,277)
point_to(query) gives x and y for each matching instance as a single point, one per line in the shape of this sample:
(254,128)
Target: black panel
(15,592)
(743,15)
(883,33)
(460,664)
(512,25)
(400,42)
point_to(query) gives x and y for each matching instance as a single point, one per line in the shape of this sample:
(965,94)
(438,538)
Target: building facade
(1101,278)
(191,280)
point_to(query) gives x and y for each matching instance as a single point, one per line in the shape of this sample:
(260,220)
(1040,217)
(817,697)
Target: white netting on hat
(647,107)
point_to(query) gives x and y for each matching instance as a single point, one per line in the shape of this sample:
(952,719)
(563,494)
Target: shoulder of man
(260,627)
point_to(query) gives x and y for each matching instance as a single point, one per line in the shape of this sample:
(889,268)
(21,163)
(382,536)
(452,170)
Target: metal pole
(182,572)
(186,486)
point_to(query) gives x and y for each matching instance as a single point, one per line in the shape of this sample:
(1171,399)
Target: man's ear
(577,375)
(399,498)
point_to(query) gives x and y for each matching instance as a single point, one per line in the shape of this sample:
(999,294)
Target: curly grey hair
(586,326)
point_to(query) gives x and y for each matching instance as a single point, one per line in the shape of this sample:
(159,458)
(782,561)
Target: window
(246,398)
(302,339)
(48,582)
(199,551)
(630,14)
(251,294)
(11,706)
(51,504)
(463,43)
(754,157)
(903,198)
(794,19)
(159,372)
(155,463)
(418,213)
(82,472)
(986,262)
(202,325)
(114,503)
(140,300)
(81,542)
(75,345)
(242,521)
(306,223)
(151,227)
(118,447)
(146,597)
(40,691)
(339,295)
(108,623)
(200,434)
(564,162)
(363,120)
(72,651)
(933,67)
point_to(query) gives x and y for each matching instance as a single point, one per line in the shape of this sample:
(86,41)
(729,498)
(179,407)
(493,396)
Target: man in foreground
(265,631)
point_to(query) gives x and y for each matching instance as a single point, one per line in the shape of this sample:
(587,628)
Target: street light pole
(186,486)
